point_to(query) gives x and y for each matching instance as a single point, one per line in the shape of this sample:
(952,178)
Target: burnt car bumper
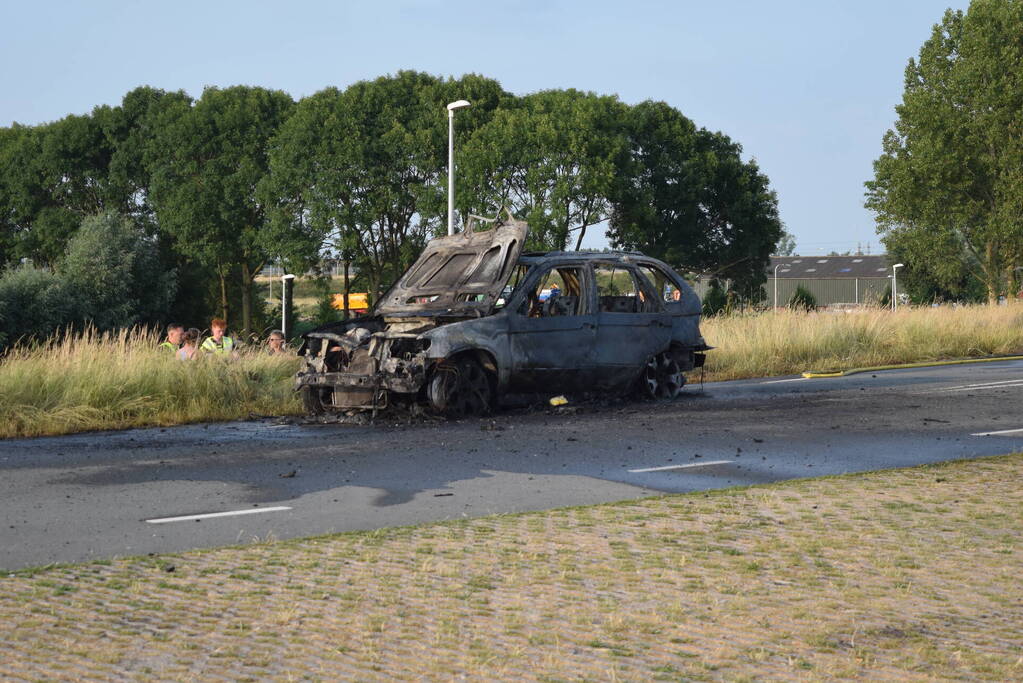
(403,384)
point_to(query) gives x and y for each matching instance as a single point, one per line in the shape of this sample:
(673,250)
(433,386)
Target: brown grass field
(909,575)
(89,382)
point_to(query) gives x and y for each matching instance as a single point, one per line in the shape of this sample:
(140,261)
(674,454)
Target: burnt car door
(632,324)
(679,301)
(552,331)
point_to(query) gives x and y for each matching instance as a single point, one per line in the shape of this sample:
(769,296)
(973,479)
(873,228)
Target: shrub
(803,300)
(34,303)
(715,300)
(115,270)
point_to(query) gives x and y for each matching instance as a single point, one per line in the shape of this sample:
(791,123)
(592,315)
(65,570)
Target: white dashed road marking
(683,467)
(210,515)
(1004,384)
(998,433)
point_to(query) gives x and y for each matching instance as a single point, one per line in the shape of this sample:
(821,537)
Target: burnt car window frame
(666,274)
(651,300)
(531,282)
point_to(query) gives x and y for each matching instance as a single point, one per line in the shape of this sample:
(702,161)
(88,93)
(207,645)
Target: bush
(116,272)
(803,300)
(34,303)
(111,277)
(715,300)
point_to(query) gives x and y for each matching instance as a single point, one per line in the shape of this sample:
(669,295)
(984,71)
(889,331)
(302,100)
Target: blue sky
(807,88)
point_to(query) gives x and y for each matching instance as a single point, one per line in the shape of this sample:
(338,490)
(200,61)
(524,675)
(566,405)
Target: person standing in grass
(189,345)
(275,343)
(174,334)
(218,343)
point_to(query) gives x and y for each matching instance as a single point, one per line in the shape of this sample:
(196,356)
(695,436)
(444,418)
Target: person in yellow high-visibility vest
(218,343)
(174,334)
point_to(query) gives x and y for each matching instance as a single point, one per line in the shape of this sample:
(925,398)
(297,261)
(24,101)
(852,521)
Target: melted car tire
(459,388)
(312,400)
(662,377)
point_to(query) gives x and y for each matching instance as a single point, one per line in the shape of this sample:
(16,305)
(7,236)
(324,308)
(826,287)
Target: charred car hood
(461,274)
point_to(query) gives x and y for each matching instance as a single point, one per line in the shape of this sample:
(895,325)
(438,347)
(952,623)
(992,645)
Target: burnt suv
(475,318)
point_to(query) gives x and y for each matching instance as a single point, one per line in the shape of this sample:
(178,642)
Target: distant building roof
(829,267)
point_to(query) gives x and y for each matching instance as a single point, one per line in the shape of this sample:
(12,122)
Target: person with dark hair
(189,345)
(174,334)
(218,343)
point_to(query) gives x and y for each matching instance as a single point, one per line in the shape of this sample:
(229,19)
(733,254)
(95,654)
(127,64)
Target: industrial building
(833,280)
(836,281)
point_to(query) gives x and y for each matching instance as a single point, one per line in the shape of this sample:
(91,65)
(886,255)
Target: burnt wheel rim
(663,377)
(462,390)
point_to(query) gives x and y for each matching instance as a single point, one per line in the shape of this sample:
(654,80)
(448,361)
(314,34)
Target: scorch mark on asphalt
(210,515)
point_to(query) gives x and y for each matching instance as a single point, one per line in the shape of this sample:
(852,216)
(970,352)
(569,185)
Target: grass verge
(112,381)
(900,575)
(788,342)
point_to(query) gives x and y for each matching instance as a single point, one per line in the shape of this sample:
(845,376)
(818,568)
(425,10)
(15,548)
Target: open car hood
(461,274)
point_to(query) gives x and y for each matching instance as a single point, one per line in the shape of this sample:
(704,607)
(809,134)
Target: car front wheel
(314,400)
(460,388)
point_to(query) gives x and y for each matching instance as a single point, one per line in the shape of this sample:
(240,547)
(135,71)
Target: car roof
(533,257)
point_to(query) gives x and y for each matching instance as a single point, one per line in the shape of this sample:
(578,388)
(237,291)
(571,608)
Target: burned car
(475,318)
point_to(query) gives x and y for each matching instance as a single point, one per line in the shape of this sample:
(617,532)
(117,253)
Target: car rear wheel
(662,376)
(460,388)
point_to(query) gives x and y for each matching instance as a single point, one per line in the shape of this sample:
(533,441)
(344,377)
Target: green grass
(91,381)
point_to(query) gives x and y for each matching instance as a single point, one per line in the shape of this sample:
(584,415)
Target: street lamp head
(898,265)
(457,105)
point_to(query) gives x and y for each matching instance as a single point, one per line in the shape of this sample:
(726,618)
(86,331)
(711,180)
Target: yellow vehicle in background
(358,302)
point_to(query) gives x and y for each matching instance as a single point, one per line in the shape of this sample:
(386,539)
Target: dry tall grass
(79,383)
(111,381)
(784,342)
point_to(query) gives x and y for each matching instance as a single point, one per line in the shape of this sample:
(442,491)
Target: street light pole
(895,286)
(287,287)
(451,162)
(776,284)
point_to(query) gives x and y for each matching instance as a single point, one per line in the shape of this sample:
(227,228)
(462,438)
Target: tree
(949,184)
(206,167)
(52,176)
(362,168)
(129,130)
(685,196)
(114,272)
(786,244)
(550,157)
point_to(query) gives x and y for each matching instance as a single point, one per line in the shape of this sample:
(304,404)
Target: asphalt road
(100,495)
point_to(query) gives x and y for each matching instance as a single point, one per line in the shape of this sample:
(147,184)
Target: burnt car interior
(557,292)
(620,291)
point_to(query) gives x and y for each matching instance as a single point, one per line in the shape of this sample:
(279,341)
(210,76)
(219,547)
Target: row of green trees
(245,176)
(948,189)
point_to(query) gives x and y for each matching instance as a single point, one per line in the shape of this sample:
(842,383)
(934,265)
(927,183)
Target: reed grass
(88,381)
(786,342)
